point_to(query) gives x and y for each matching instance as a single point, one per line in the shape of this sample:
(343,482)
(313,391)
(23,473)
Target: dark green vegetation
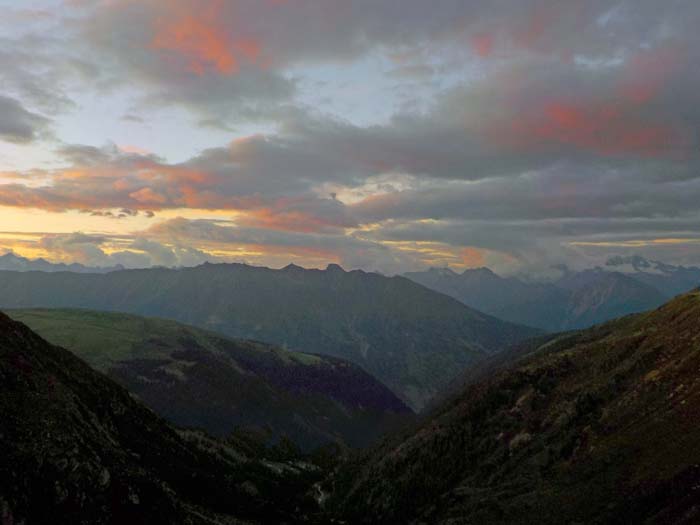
(196,378)
(412,339)
(598,426)
(78,449)
(577,300)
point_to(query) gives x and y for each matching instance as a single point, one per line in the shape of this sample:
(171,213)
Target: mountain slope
(77,448)
(197,378)
(532,304)
(412,339)
(598,426)
(577,300)
(607,296)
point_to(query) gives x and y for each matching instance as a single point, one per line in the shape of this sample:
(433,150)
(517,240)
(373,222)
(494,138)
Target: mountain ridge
(411,338)
(13,262)
(574,300)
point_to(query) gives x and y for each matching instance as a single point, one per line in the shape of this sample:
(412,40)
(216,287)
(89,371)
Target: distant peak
(334,268)
(291,267)
(636,261)
(443,271)
(479,271)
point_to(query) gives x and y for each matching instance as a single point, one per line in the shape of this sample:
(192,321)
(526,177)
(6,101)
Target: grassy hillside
(597,426)
(197,378)
(412,339)
(77,448)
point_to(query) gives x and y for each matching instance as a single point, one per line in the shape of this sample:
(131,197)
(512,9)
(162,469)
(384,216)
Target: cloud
(277,248)
(41,63)
(227,59)
(185,53)
(127,251)
(238,58)
(269,181)
(546,128)
(17,124)
(76,247)
(200,41)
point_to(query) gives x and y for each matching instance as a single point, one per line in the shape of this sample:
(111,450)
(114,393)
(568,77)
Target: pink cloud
(483,44)
(196,37)
(607,129)
(648,72)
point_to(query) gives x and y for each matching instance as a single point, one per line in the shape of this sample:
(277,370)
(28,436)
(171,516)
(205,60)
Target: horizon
(389,136)
(618,264)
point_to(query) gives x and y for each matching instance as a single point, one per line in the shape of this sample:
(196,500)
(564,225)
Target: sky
(387,135)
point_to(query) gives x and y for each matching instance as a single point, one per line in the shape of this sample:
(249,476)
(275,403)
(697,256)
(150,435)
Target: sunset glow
(390,138)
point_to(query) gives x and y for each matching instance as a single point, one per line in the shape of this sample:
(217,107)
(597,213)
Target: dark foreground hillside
(412,339)
(598,426)
(77,449)
(196,378)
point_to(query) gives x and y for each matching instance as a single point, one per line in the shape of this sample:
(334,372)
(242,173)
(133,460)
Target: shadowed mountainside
(196,378)
(597,426)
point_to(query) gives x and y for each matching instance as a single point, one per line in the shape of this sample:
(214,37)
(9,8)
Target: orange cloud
(295,215)
(292,221)
(199,40)
(471,257)
(148,196)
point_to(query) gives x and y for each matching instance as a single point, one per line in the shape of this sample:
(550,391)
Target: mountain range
(572,301)
(669,279)
(596,426)
(16,263)
(195,378)
(593,426)
(414,340)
